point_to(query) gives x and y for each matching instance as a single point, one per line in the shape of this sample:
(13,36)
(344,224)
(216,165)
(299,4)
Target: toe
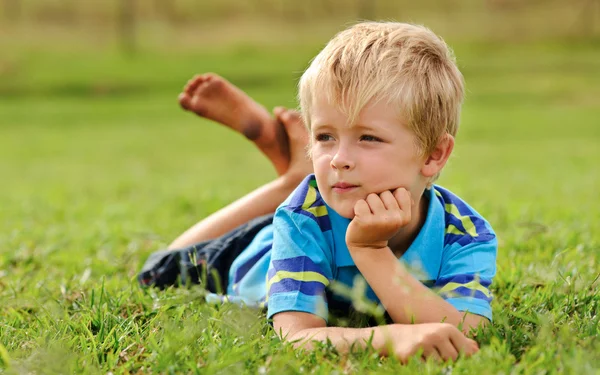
(184,101)
(278,111)
(193,84)
(210,77)
(197,105)
(291,120)
(294,116)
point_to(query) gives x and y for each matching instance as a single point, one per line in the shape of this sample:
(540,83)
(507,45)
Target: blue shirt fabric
(304,252)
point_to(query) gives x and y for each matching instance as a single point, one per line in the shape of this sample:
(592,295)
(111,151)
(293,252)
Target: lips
(342,187)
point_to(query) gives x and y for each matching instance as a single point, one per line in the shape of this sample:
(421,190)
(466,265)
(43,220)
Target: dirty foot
(213,97)
(300,164)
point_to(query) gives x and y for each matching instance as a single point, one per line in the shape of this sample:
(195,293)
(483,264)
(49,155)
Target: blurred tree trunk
(167,9)
(291,11)
(329,7)
(591,9)
(127,26)
(366,9)
(12,10)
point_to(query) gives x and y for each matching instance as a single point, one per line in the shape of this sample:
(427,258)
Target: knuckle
(432,337)
(404,219)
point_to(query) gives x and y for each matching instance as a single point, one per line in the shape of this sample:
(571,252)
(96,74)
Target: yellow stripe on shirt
(454,230)
(299,276)
(465,220)
(473,285)
(311,197)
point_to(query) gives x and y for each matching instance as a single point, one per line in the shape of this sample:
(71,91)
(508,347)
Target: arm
(405,298)
(303,329)
(440,341)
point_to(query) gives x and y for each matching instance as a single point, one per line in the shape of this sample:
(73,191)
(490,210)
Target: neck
(405,237)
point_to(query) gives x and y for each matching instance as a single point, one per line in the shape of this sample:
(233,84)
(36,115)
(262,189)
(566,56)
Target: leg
(213,97)
(263,200)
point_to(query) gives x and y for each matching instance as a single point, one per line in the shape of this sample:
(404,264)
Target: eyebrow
(355,127)
(321,126)
(364,127)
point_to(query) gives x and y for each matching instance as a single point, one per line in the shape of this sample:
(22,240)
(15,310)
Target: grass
(100,168)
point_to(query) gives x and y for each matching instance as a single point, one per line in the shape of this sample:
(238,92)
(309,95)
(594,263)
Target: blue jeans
(196,264)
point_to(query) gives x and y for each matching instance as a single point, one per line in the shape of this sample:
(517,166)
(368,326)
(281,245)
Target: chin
(345,212)
(344,208)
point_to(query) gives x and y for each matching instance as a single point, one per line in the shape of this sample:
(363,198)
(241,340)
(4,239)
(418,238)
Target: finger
(431,352)
(375,203)
(474,347)
(462,344)
(404,202)
(361,208)
(447,351)
(184,100)
(389,201)
(403,198)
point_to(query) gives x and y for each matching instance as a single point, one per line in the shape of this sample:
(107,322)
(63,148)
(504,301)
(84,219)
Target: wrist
(369,248)
(369,255)
(382,338)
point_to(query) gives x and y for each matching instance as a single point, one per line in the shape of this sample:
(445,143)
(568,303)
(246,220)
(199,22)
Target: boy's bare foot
(213,97)
(300,164)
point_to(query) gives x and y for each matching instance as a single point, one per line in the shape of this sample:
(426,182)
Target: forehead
(375,114)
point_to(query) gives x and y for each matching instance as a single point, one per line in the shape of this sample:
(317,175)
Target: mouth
(343,187)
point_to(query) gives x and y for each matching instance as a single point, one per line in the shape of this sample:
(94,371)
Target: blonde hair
(406,65)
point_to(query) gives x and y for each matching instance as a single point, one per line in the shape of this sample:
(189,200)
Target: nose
(342,159)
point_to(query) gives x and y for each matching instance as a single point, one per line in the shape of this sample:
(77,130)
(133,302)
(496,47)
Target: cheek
(319,158)
(384,175)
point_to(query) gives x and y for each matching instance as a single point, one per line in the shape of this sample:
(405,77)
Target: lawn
(100,168)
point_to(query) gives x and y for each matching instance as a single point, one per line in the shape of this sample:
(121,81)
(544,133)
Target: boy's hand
(378,218)
(440,341)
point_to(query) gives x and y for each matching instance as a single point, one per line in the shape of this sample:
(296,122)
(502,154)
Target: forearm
(405,298)
(343,339)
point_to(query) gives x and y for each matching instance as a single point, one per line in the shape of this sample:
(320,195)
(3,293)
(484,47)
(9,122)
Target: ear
(436,161)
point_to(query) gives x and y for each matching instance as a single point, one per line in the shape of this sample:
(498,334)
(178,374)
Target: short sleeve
(466,275)
(301,266)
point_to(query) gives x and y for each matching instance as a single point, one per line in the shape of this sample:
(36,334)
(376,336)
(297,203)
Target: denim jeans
(195,264)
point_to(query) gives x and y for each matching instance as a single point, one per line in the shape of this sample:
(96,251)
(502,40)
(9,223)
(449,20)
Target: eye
(370,138)
(323,137)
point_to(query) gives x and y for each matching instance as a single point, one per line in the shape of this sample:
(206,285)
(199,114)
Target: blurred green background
(88,112)
(99,166)
(97,158)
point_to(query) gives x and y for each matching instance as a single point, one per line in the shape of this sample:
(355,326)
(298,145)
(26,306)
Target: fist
(378,218)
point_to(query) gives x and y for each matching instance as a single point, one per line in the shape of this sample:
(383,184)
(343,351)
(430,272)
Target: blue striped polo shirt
(293,264)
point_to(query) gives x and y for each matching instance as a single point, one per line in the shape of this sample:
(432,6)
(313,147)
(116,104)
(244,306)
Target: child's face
(375,154)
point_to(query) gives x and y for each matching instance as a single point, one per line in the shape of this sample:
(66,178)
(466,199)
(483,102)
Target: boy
(381,103)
